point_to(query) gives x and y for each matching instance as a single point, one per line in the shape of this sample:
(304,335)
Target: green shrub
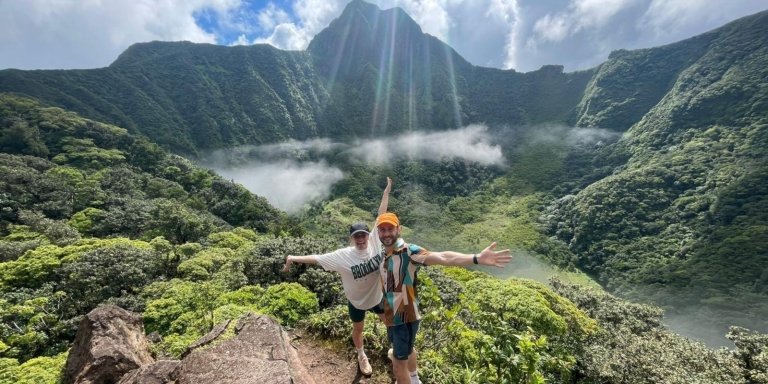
(523,304)
(265,262)
(245,296)
(174,345)
(180,306)
(326,285)
(289,302)
(334,324)
(632,346)
(40,370)
(204,264)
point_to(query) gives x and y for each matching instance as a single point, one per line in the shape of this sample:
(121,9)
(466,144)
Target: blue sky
(518,34)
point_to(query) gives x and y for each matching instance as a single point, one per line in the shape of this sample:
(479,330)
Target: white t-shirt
(359,271)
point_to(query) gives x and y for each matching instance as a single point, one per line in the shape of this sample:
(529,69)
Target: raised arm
(290,259)
(385,197)
(487,257)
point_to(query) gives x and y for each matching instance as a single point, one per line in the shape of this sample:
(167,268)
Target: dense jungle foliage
(684,222)
(672,210)
(142,239)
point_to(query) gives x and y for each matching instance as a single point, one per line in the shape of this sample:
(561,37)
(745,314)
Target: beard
(388,241)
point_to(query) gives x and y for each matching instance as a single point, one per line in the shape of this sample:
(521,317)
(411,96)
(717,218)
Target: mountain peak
(366,36)
(359,9)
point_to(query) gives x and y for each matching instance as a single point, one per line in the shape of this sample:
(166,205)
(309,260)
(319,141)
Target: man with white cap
(358,266)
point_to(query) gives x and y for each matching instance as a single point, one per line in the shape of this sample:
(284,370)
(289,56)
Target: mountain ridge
(175,92)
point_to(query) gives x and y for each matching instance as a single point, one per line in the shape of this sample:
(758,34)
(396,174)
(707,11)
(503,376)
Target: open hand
(495,258)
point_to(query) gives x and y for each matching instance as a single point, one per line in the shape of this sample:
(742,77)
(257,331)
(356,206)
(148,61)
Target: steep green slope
(630,83)
(189,96)
(386,75)
(684,222)
(108,182)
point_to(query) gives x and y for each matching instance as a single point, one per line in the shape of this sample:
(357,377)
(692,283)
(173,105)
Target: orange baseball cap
(389,218)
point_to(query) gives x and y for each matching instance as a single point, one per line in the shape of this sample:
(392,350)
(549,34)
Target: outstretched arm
(385,197)
(487,257)
(290,259)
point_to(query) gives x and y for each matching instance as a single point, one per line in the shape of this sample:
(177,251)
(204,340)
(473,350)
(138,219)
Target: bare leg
(400,369)
(412,361)
(357,333)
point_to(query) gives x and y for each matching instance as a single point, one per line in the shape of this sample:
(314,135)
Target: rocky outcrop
(260,353)
(110,342)
(110,347)
(159,372)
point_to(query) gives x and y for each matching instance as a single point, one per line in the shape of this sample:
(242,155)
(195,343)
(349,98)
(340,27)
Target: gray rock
(110,342)
(160,372)
(260,353)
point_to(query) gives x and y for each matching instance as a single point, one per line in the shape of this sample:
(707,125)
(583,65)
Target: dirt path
(331,365)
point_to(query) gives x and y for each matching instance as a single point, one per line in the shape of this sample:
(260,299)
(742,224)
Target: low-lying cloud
(526,266)
(286,184)
(284,174)
(573,136)
(472,143)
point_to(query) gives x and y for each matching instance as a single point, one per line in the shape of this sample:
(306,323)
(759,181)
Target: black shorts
(358,315)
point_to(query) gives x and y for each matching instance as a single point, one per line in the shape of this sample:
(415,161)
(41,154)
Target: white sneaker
(390,354)
(365,366)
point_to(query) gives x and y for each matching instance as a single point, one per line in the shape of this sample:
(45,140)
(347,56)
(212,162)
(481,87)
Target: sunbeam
(454,94)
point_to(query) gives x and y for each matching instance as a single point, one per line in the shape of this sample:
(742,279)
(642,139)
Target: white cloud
(432,16)
(519,34)
(573,136)
(86,34)
(590,136)
(271,16)
(294,148)
(311,17)
(288,150)
(286,184)
(472,143)
(241,40)
(553,28)
(580,15)
(675,19)
(274,171)
(287,36)
(511,15)
(597,13)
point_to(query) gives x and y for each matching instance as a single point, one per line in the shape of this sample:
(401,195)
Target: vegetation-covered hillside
(191,98)
(94,215)
(669,207)
(684,222)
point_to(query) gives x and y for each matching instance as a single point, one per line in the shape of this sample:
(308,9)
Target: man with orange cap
(398,271)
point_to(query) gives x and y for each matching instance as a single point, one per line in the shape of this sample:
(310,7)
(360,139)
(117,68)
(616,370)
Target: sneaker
(390,354)
(365,366)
